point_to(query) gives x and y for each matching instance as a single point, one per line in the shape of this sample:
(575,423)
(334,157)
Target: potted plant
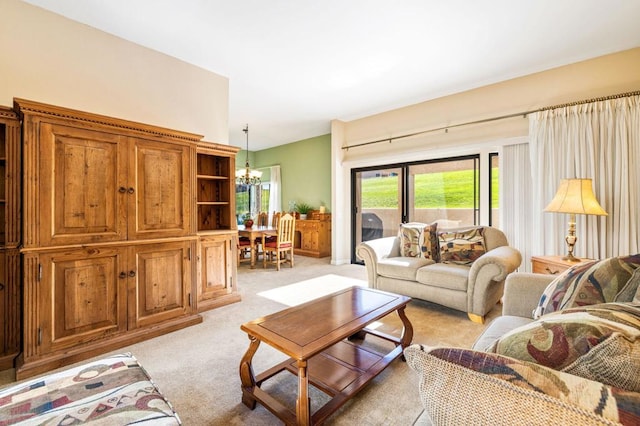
(247,221)
(303,209)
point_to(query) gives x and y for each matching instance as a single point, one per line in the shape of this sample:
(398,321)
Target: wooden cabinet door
(10,306)
(160,282)
(216,274)
(81,183)
(80,297)
(161,186)
(3,306)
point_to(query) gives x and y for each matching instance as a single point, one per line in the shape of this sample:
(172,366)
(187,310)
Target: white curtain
(515,199)
(598,140)
(275,204)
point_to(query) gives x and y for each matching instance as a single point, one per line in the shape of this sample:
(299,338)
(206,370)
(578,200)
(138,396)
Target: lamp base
(571,258)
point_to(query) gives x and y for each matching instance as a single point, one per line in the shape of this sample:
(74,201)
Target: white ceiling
(294,65)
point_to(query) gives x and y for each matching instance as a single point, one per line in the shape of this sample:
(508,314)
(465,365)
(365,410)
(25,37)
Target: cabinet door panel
(4,290)
(162,277)
(216,263)
(82,297)
(161,182)
(79,182)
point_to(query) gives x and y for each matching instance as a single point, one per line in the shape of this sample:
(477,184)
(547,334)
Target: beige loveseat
(578,364)
(474,288)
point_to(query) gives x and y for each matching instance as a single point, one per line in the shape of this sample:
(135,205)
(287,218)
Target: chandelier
(248,176)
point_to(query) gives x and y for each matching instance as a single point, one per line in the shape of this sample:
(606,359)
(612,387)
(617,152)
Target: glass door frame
(404,188)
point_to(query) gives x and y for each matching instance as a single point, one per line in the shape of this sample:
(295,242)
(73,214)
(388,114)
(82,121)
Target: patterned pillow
(462,386)
(411,239)
(462,247)
(418,239)
(430,242)
(597,281)
(597,342)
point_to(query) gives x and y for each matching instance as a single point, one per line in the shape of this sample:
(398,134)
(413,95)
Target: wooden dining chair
(280,250)
(263,219)
(244,250)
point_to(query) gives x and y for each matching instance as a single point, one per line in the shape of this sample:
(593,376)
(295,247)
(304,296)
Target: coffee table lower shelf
(340,371)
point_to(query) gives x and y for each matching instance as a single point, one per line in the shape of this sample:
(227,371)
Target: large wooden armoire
(127,233)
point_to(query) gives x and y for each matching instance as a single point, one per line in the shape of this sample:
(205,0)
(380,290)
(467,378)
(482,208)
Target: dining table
(255,233)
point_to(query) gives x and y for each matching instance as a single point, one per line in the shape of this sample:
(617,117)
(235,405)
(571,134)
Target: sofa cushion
(451,276)
(462,247)
(115,390)
(403,268)
(419,240)
(462,386)
(598,281)
(599,342)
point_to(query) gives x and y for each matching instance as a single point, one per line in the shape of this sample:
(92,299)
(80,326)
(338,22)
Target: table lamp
(574,196)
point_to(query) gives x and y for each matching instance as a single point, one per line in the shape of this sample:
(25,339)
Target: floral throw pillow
(598,342)
(462,247)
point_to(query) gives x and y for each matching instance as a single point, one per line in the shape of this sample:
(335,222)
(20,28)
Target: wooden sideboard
(127,233)
(313,236)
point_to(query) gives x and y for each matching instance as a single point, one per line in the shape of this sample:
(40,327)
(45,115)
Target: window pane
(495,190)
(445,191)
(378,201)
(264,197)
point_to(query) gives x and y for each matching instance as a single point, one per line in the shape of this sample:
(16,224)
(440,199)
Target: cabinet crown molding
(42,109)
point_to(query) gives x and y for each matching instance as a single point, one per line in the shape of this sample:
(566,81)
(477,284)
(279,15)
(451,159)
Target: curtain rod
(487,120)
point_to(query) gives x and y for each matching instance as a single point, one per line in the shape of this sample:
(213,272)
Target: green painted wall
(305,168)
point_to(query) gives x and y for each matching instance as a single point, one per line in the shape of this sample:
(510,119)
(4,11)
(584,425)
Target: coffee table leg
(407,330)
(247,378)
(303,404)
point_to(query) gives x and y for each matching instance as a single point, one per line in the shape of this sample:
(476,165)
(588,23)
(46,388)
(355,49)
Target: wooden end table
(316,337)
(552,265)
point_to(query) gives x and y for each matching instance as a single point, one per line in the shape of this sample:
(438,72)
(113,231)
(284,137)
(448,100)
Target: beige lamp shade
(575,196)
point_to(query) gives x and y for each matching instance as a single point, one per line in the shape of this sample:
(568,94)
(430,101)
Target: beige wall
(603,76)
(48,58)
(607,75)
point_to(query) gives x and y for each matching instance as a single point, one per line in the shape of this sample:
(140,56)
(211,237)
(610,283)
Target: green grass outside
(433,190)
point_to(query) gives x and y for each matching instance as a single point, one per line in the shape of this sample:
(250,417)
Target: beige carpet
(197,368)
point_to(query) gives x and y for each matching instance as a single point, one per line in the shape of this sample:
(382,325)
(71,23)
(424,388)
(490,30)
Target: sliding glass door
(377,199)
(444,190)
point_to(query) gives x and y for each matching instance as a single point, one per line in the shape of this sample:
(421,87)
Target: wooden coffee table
(319,336)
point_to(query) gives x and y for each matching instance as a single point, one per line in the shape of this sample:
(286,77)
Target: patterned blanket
(112,391)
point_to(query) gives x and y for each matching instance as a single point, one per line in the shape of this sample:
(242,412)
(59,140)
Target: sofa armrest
(522,291)
(373,251)
(506,258)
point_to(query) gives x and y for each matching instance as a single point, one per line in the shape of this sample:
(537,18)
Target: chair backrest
(275,219)
(263,219)
(286,229)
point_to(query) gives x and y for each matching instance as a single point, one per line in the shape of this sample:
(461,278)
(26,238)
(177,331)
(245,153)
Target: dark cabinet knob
(122,275)
(131,190)
(132,274)
(122,190)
